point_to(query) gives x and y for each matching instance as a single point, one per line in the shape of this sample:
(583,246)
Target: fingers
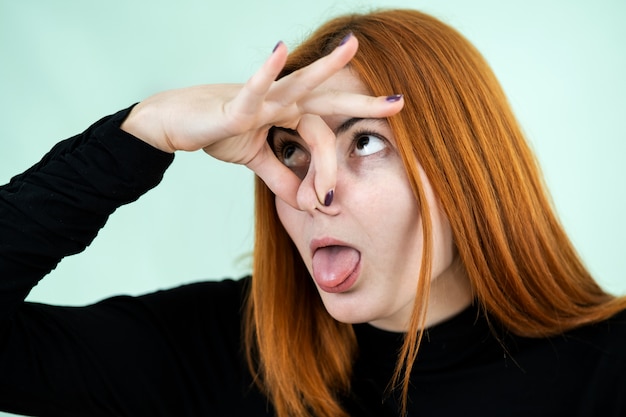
(280,179)
(351,104)
(302,82)
(264,101)
(299,101)
(253,93)
(321,142)
(262,87)
(304,89)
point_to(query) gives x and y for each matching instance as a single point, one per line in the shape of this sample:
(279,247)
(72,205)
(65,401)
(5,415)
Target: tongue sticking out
(333,264)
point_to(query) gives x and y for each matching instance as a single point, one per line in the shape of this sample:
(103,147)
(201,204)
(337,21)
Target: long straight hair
(458,126)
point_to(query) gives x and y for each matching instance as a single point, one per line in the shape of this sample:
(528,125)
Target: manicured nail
(276,47)
(329,198)
(394,98)
(345,39)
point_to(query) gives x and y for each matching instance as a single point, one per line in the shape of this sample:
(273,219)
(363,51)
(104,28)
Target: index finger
(303,81)
(332,103)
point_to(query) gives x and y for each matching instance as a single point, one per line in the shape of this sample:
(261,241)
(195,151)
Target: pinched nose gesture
(231,121)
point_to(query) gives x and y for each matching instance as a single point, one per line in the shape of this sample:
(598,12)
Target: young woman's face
(364,250)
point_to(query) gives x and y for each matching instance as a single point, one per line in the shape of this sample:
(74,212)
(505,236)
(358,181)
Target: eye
(368,144)
(293,156)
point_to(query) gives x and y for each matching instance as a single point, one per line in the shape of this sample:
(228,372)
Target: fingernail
(345,39)
(276,47)
(394,98)
(329,198)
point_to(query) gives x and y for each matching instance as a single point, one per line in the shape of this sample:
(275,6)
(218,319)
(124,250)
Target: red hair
(458,126)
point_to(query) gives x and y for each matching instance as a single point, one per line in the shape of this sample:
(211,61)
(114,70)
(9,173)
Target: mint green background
(66,63)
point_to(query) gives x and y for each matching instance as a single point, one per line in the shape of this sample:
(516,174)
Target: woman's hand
(231,121)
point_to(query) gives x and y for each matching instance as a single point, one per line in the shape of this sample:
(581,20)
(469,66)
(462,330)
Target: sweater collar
(465,337)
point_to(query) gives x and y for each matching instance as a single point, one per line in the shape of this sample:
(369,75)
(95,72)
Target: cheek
(407,233)
(393,221)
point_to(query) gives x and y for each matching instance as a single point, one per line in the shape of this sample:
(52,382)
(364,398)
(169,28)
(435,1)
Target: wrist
(144,126)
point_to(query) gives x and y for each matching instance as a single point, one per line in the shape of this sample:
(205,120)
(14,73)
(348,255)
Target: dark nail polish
(394,98)
(345,39)
(329,198)
(276,47)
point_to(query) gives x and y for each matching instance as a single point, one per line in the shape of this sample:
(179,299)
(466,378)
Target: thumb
(278,178)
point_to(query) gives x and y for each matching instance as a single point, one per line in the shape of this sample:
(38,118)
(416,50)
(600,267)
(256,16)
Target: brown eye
(294,157)
(368,145)
(288,152)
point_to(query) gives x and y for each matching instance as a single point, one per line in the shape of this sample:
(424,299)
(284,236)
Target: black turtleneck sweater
(178,352)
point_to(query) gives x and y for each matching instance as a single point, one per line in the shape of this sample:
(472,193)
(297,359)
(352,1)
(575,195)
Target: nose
(308,200)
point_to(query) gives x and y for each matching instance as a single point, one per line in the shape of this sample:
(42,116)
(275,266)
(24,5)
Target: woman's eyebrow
(345,126)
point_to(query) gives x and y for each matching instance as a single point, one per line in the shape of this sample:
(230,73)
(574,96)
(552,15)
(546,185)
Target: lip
(350,279)
(324,242)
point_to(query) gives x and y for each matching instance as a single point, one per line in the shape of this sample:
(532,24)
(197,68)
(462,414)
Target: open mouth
(336,267)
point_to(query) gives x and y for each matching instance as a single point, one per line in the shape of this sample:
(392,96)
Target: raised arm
(231,122)
(57,207)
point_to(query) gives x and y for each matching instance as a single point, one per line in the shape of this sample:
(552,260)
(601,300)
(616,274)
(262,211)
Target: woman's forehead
(345,80)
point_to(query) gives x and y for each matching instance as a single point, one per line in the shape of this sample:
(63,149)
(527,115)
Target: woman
(407,260)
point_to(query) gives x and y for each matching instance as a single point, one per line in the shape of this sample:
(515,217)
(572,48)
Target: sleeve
(171,353)
(57,207)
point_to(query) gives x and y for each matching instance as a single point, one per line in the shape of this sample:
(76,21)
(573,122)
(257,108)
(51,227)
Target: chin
(349,313)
